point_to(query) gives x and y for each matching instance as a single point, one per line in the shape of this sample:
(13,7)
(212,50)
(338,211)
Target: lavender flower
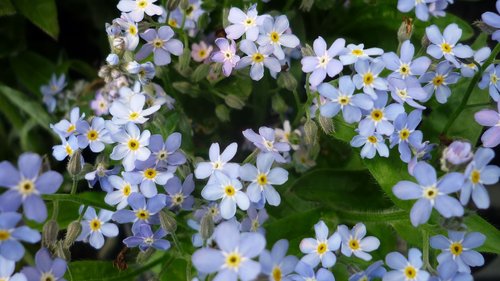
(431,193)
(226,55)
(257,58)
(95,135)
(26,185)
(407,91)
(253,222)
(125,186)
(375,270)
(275,264)
(320,249)
(405,269)
(136,8)
(446,44)
(10,235)
(366,76)
(493,20)
(491,79)
(380,116)
(355,242)
(244,23)
(352,53)
(143,211)
(131,146)
(305,272)
(323,62)
(95,227)
(144,237)
(161,44)
(7,268)
(46,268)
(405,134)
(489,118)
(66,128)
(201,52)
(439,80)
(273,33)
(218,162)
(405,66)
(179,194)
(265,141)
(372,143)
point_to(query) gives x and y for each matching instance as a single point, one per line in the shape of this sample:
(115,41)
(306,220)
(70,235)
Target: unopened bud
(326,125)
(143,256)
(173,4)
(75,163)
(184,4)
(425,41)
(61,252)
(112,59)
(287,81)
(74,229)
(307,51)
(222,112)
(184,61)
(104,71)
(118,45)
(200,72)
(311,132)
(206,226)
(234,101)
(484,27)
(405,30)
(183,87)
(167,221)
(49,233)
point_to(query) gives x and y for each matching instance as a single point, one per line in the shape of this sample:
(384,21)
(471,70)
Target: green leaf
(42,13)
(96,270)
(6,8)
(32,71)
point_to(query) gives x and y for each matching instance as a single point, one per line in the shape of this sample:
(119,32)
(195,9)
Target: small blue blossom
(55,86)
(10,235)
(101,174)
(263,178)
(135,9)
(45,268)
(257,58)
(405,269)
(446,44)
(166,153)
(266,142)
(324,61)
(144,237)
(132,111)
(421,8)
(26,185)
(218,162)
(273,32)
(431,193)
(367,76)
(379,118)
(226,55)
(95,135)
(477,174)
(276,264)
(405,66)
(161,44)
(244,23)
(321,248)
(372,144)
(448,271)
(253,222)
(352,53)
(458,248)
(355,242)
(407,91)
(145,72)
(150,175)
(125,186)
(343,99)
(493,20)
(66,148)
(234,259)
(131,145)
(375,270)
(229,190)
(66,128)
(421,152)
(305,272)
(211,209)
(179,194)
(130,29)
(469,69)
(7,268)
(405,134)
(491,79)
(95,227)
(439,80)
(458,152)
(489,118)
(143,211)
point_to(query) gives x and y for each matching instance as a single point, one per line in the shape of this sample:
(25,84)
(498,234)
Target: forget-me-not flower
(145,72)
(489,118)
(407,91)
(324,61)
(66,148)
(161,44)
(352,53)
(446,44)
(132,112)
(95,135)
(95,227)
(375,270)
(273,33)
(218,162)
(7,268)
(143,211)
(491,79)
(244,23)
(458,248)
(67,128)
(276,264)
(150,175)
(372,143)
(493,20)
(226,55)
(144,238)
(166,153)
(179,194)
(448,271)
(367,76)
(266,142)
(257,58)
(305,272)
(10,235)
(355,242)
(438,81)
(380,116)
(100,175)
(406,269)
(253,222)
(124,186)
(469,69)
(46,268)
(405,134)
(421,8)
(131,146)
(405,66)
(321,248)
(135,9)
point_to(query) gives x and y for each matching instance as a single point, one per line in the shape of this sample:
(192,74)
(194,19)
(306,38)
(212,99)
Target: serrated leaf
(42,13)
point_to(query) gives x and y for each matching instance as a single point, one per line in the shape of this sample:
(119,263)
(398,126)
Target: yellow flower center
(275,37)
(213,211)
(456,248)
(132,30)
(233,260)
(276,273)
(344,100)
(430,192)
(142,214)
(71,128)
(178,198)
(446,48)
(403,94)
(126,190)
(364,278)
(95,224)
(475,176)
(217,165)
(142,4)
(102,105)
(249,22)
(368,78)
(4,234)
(255,225)
(150,173)
(404,134)
(133,144)
(269,144)
(158,43)
(92,135)
(202,53)
(172,23)
(354,244)
(26,187)
(229,190)
(262,179)
(133,116)
(47,276)
(372,139)
(410,272)
(69,150)
(404,69)
(162,155)
(257,58)
(438,80)
(357,52)
(493,78)
(323,61)
(471,65)
(322,248)
(377,115)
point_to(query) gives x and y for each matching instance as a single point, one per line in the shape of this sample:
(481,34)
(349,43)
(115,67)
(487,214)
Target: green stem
(176,242)
(55,209)
(73,186)
(425,251)
(478,104)
(251,156)
(468,92)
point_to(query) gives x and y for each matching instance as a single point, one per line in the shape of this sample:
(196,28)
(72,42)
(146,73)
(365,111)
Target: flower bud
(405,30)
(222,112)
(200,72)
(143,256)
(173,4)
(118,45)
(74,229)
(167,221)
(326,125)
(45,164)
(425,41)
(307,51)
(234,101)
(184,4)
(311,132)
(112,59)
(457,153)
(75,163)
(287,81)
(61,252)
(49,233)
(484,27)
(206,226)
(183,87)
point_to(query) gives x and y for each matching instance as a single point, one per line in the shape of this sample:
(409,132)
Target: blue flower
(218,162)
(131,146)
(367,76)
(66,148)
(375,270)
(167,154)
(446,44)
(234,259)
(355,242)
(431,193)
(490,118)
(493,20)
(229,190)
(439,80)
(135,9)
(144,237)
(405,66)
(7,268)
(352,53)
(95,136)
(142,211)
(10,235)
(305,272)
(405,134)
(145,72)
(65,128)
(380,116)
(421,8)
(101,175)
(26,186)
(407,91)
(324,61)
(477,174)
(276,264)
(150,175)
(95,227)
(491,79)
(257,58)
(469,69)
(211,209)
(161,44)
(131,111)
(458,248)
(253,222)
(273,33)
(46,268)
(448,271)
(372,143)
(226,55)
(265,141)
(55,86)
(244,23)
(179,194)
(405,269)
(420,152)
(320,249)
(263,178)
(124,188)
(343,99)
